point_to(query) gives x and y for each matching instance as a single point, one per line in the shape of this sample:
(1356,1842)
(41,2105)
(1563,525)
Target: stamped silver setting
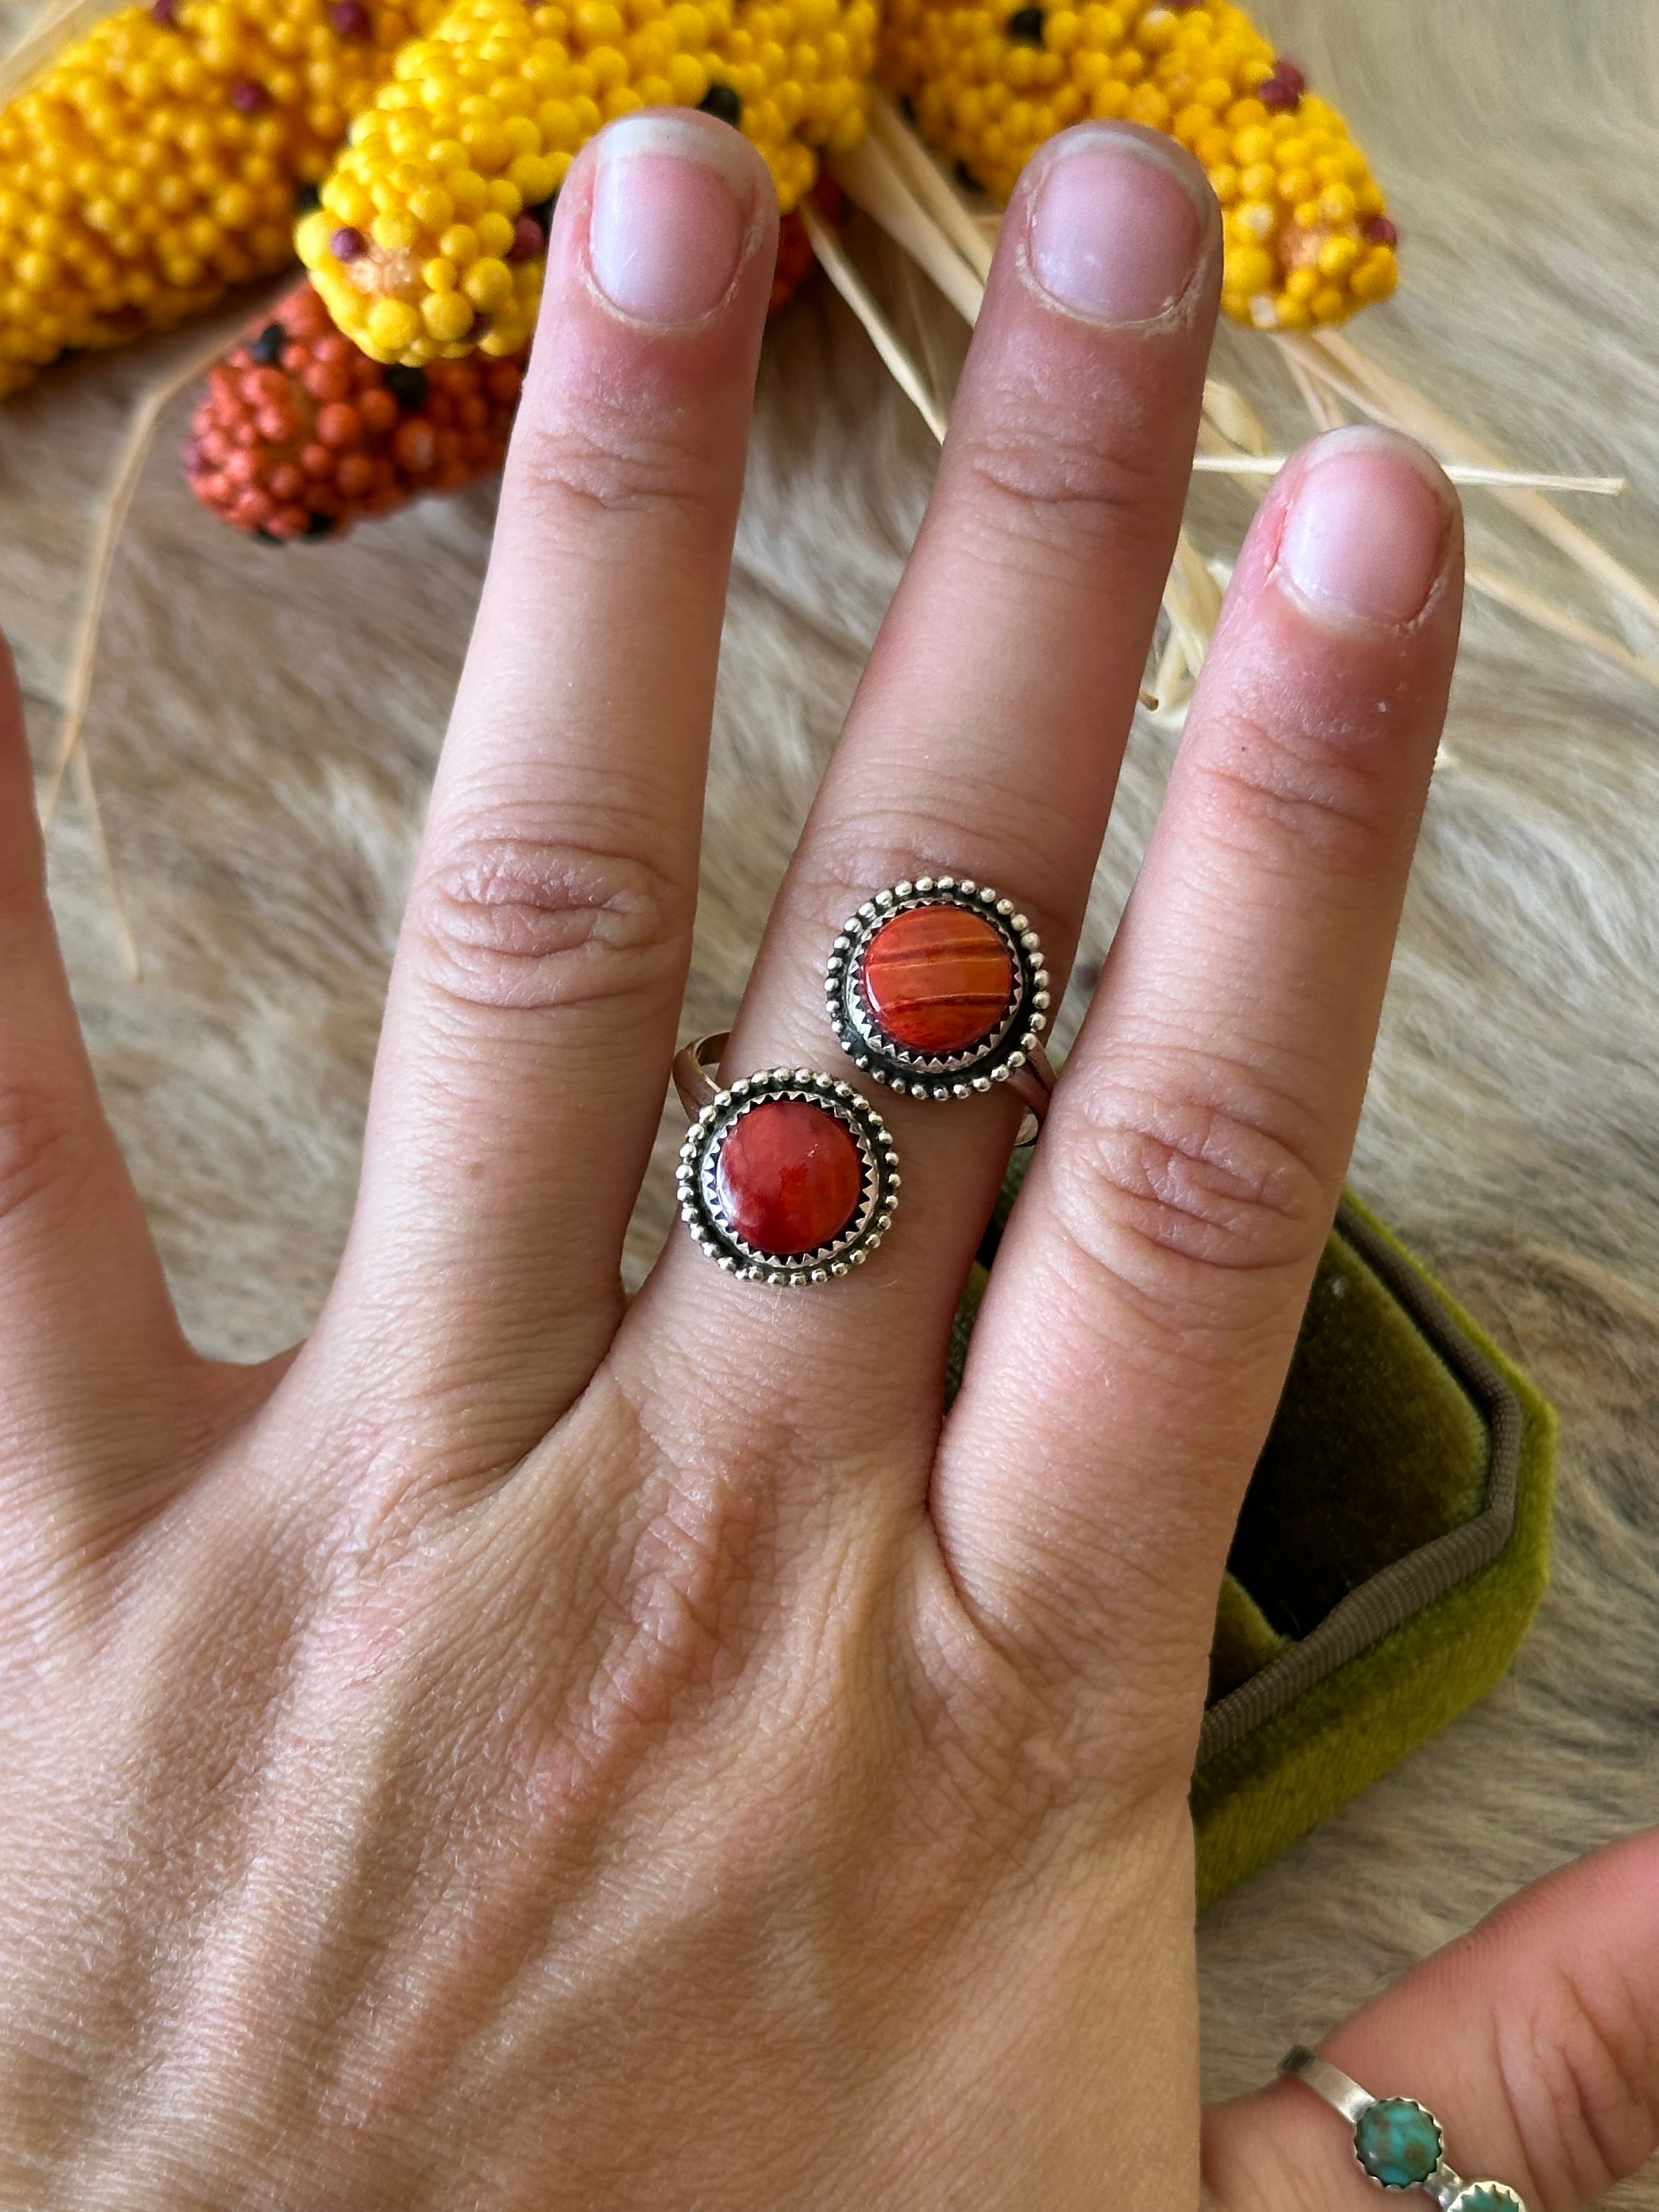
(1017,1037)
(1443,2186)
(698,1174)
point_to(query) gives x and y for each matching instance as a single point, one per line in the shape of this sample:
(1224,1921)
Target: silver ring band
(697,1072)
(1398,2144)
(1034,1080)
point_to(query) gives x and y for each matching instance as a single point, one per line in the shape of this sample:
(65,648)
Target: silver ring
(1397,2142)
(786,1175)
(955,1043)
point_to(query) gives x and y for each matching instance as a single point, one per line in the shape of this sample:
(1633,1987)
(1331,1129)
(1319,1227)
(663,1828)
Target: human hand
(529,1754)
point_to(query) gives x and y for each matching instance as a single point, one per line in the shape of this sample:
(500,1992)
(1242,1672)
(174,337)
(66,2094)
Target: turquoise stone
(1398,2143)
(1486,2196)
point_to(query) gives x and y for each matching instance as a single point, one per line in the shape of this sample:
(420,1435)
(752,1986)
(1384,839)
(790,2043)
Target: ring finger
(986,738)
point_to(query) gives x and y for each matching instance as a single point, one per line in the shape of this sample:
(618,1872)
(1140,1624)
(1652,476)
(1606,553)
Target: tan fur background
(264,724)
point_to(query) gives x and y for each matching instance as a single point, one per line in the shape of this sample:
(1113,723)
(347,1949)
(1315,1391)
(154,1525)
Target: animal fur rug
(265,723)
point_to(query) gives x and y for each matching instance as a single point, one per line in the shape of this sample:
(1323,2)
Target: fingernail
(1118,226)
(1367,527)
(672,199)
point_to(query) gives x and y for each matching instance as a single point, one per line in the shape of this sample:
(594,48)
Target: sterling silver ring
(786,1175)
(936,987)
(1398,2143)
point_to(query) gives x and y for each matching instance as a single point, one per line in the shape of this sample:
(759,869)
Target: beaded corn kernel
(156,161)
(431,237)
(1306,239)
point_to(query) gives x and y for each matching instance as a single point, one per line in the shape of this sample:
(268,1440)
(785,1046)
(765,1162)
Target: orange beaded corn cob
(429,238)
(157,160)
(299,433)
(1307,238)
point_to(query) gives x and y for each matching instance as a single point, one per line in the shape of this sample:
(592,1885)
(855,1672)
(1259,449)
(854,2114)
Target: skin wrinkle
(1160,1190)
(40,1156)
(1578,2112)
(1235,1079)
(1251,798)
(866,852)
(571,469)
(595,806)
(1067,514)
(512,923)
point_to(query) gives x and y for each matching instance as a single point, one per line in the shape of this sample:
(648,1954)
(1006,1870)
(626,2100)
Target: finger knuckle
(1266,778)
(879,844)
(514,920)
(1060,497)
(608,454)
(1164,1184)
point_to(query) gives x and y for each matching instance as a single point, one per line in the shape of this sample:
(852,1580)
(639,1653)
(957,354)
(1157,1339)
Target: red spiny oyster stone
(937,978)
(789,1177)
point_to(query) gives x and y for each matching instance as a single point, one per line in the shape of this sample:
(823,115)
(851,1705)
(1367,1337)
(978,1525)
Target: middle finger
(987,735)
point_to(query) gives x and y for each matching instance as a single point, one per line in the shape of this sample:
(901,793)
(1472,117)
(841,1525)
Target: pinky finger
(1534,2040)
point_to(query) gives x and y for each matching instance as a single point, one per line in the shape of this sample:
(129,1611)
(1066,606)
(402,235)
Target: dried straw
(41,46)
(905,372)
(1460,472)
(895,180)
(112,514)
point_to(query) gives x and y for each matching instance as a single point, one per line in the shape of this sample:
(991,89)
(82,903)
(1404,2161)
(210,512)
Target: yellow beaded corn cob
(430,238)
(156,161)
(1306,239)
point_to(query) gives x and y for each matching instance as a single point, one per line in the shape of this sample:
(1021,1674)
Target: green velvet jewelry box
(1391,1551)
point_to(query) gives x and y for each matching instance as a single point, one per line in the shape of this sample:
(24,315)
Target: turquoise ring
(1398,2143)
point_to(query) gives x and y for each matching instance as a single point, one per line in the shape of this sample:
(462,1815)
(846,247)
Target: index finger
(533,1001)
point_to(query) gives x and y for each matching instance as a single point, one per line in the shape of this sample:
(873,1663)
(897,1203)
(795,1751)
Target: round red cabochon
(937,979)
(789,1177)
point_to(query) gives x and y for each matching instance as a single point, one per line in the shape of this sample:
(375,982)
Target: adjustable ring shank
(1335,2086)
(697,1070)
(1034,1083)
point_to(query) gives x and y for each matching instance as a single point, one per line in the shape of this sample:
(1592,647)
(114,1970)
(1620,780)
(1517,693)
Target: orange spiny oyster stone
(937,979)
(789,1177)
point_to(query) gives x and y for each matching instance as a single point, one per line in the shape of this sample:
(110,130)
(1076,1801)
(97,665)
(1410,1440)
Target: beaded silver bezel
(1465,2199)
(697,1179)
(923,1075)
